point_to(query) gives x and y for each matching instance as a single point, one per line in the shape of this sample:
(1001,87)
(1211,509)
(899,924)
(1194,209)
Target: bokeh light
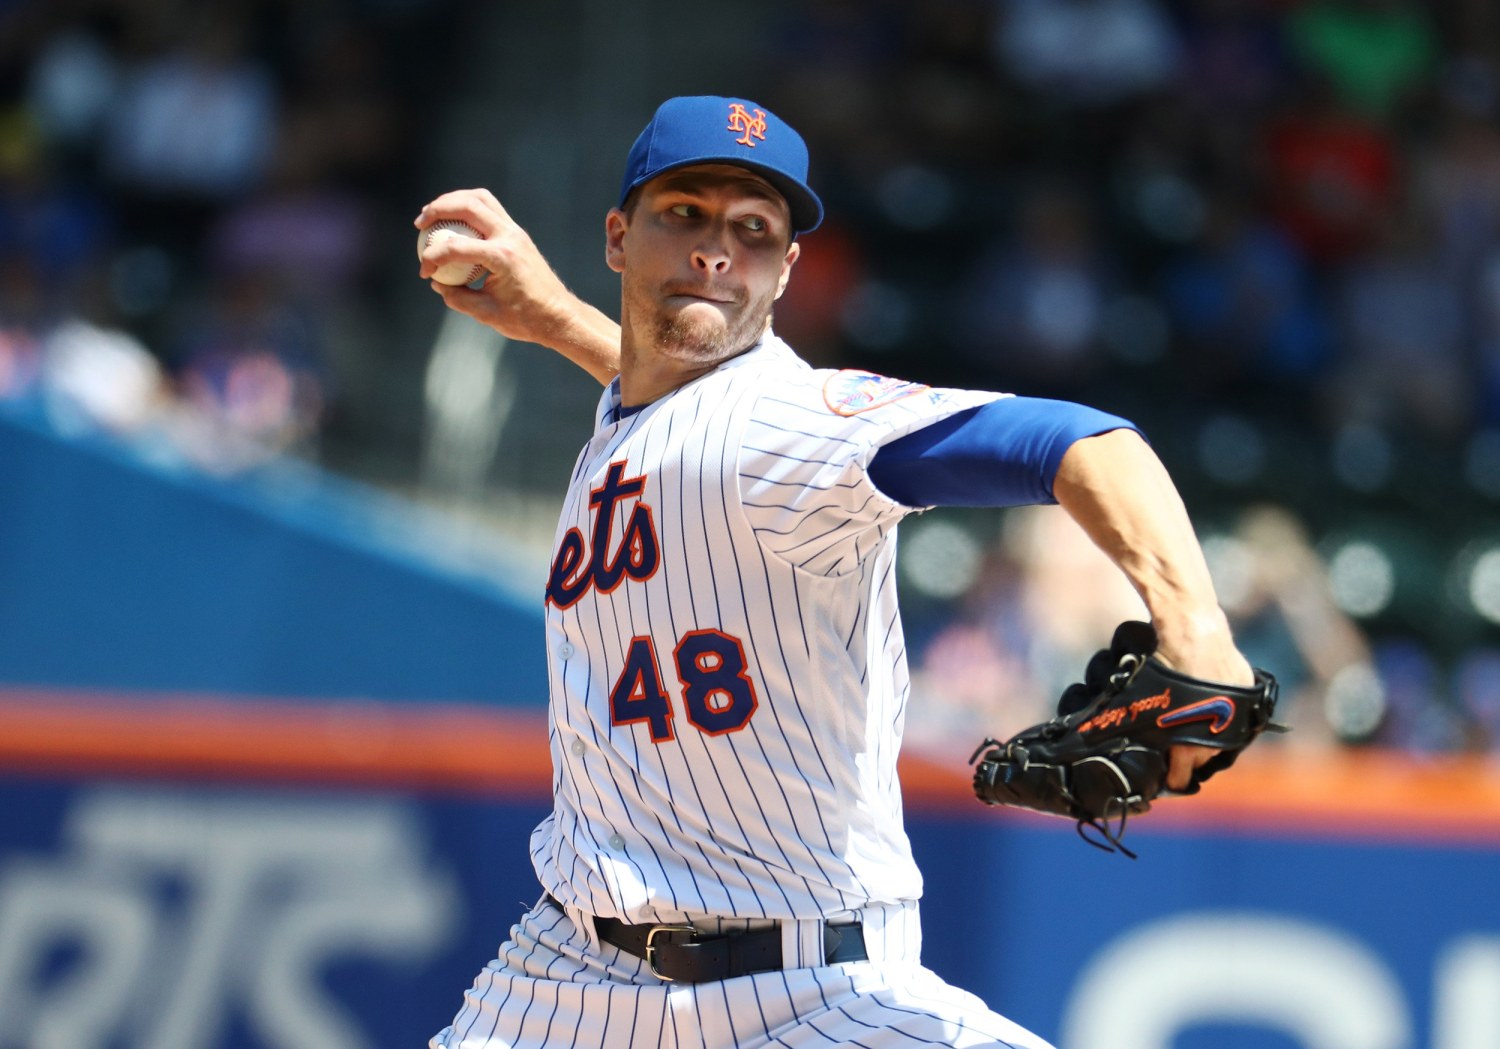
(1362,578)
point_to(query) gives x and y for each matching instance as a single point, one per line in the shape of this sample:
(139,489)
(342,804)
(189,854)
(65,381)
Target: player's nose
(711,261)
(711,253)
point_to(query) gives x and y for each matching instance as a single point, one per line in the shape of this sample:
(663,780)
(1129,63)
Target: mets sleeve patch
(850,392)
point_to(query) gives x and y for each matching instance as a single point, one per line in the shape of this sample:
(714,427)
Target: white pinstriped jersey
(727,670)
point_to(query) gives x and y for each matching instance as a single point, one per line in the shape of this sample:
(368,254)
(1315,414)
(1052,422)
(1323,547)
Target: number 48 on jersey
(717,693)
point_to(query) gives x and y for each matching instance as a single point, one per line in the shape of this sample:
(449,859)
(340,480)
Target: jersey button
(616,842)
(579,746)
(565,650)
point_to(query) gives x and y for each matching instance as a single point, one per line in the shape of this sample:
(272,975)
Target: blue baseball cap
(707,129)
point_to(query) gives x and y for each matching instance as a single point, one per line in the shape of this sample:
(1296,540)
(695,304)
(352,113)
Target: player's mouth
(719,296)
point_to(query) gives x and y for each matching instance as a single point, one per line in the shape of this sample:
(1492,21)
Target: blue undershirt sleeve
(1004,453)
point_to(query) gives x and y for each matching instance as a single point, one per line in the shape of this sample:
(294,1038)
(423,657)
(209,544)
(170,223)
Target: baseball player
(725,862)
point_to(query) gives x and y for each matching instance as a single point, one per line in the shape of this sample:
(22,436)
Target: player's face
(702,256)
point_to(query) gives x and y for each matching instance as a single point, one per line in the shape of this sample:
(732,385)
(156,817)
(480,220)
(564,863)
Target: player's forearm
(590,339)
(561,322)
(1116,488)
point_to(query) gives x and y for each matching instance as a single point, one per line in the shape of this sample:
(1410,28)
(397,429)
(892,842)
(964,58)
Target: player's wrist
(583,335)
(1200,642)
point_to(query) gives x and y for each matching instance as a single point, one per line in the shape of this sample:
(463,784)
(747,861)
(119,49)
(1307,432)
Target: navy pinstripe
(776,797)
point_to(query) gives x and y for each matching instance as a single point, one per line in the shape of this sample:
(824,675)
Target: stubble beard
(688,336)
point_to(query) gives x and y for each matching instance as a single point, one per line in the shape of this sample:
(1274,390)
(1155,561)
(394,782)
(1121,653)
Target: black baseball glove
(1104,757)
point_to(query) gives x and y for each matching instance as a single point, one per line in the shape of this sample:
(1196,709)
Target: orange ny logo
(746,125)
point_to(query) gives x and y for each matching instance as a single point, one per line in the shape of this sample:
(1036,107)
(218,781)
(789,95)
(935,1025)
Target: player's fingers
(477,207)
(1183,760)
(445,205)
(492,202)
(440,251)
(483,221)
(1179,769)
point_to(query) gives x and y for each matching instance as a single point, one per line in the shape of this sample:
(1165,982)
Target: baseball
(455,273)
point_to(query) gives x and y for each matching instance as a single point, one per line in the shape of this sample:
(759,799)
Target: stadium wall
(269,762)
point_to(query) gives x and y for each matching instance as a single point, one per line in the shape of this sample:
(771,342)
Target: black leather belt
(683,954)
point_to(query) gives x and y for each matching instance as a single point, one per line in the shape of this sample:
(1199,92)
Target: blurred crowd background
(1268,231)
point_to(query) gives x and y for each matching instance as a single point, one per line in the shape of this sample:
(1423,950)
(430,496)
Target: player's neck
(644,381)
(649,375)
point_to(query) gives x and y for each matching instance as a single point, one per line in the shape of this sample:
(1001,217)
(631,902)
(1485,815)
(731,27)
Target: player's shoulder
(850,392)
(856,402)
(843,392)
(857,395)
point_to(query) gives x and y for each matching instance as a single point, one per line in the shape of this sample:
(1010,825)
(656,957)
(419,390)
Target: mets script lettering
(581,564)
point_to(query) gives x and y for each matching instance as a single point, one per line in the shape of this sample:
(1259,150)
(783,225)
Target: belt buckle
(651,935)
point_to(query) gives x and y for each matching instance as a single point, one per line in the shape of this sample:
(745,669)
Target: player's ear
(615,224)
(793,250)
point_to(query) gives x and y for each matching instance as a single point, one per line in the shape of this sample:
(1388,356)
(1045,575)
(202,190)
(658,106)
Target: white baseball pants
(555,985)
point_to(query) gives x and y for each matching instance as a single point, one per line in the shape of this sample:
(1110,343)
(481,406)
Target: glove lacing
(1106,837)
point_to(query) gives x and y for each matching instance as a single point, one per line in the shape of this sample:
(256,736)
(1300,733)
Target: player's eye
(685,211)
(756,224)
